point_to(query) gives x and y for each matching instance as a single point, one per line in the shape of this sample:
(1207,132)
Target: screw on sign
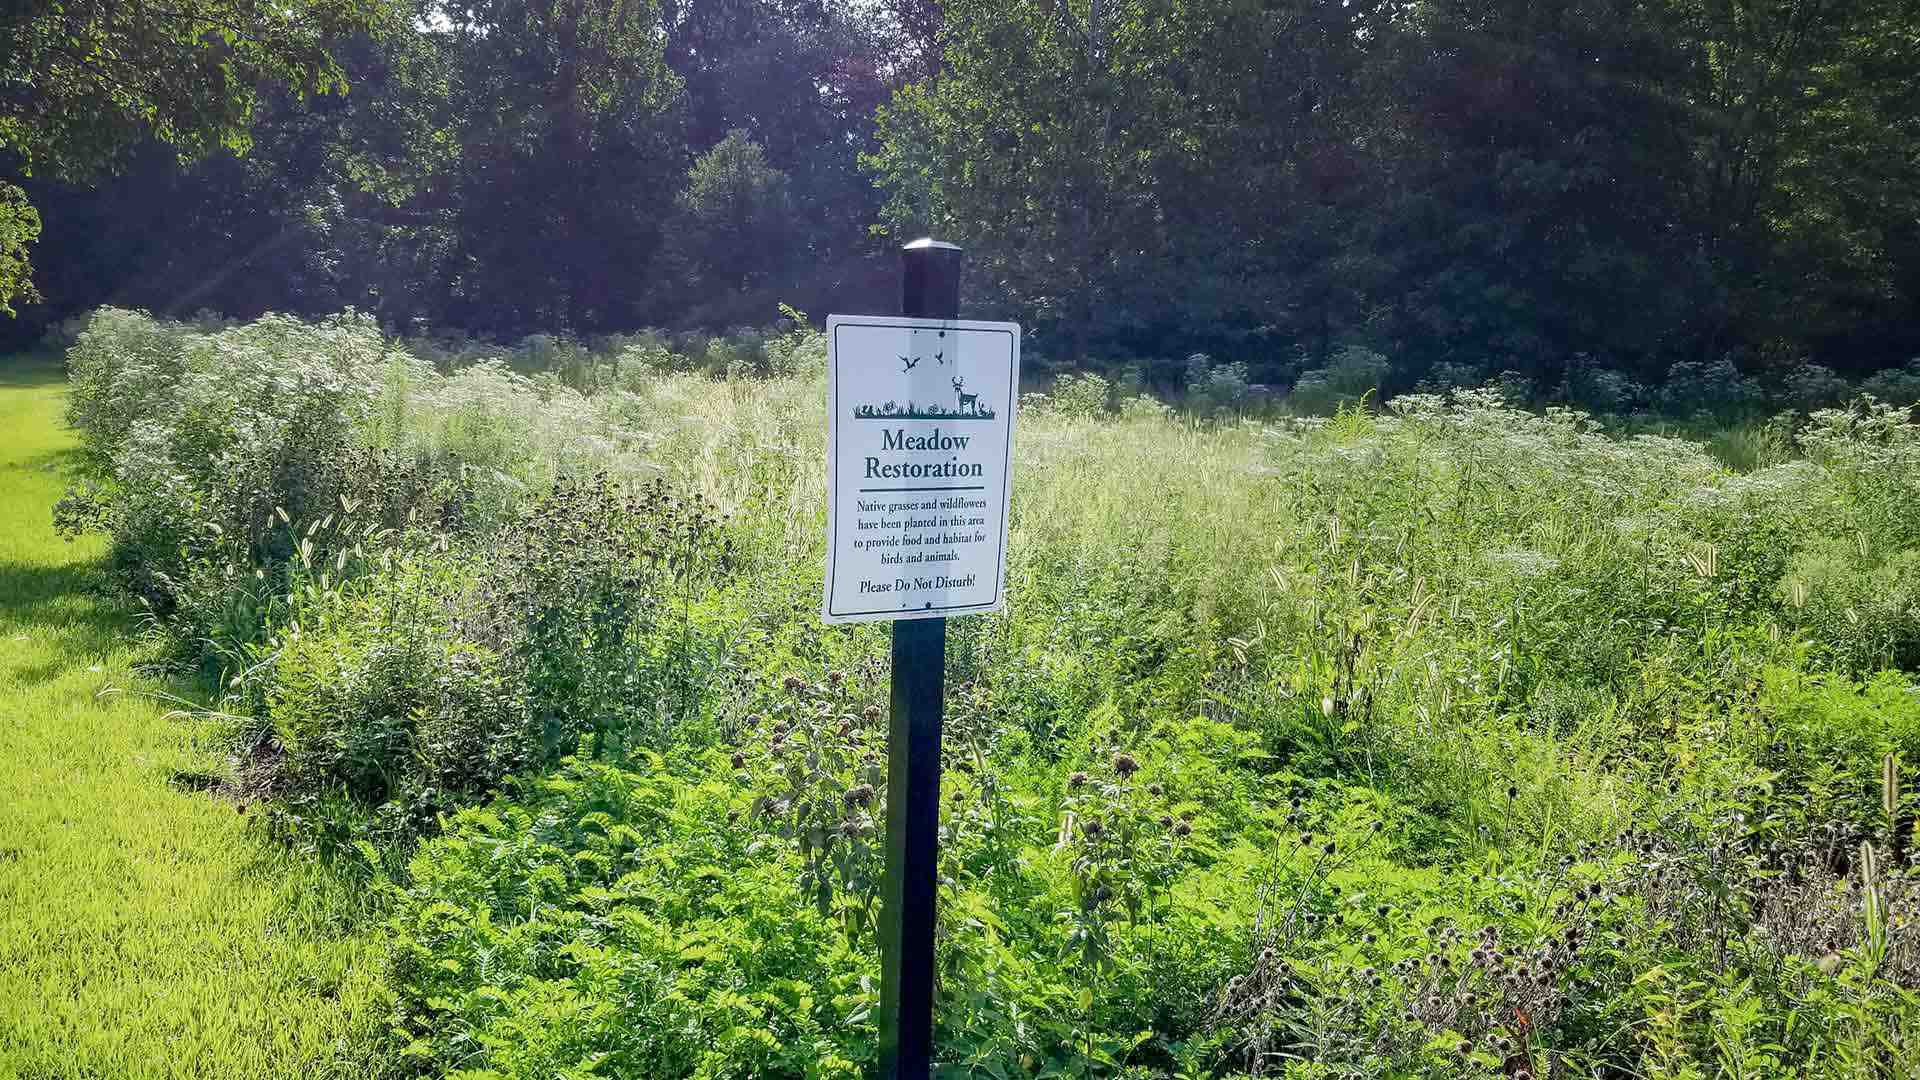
(920,455)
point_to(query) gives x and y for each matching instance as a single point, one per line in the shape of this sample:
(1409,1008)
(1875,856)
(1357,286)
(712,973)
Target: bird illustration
(941,357)
(908,364)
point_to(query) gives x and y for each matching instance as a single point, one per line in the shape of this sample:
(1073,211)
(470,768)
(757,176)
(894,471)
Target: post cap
(927,242)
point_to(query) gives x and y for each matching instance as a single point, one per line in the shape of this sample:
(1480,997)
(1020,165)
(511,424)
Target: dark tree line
(1465,186)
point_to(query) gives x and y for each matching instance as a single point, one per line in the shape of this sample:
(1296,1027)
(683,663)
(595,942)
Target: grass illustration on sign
(966,407)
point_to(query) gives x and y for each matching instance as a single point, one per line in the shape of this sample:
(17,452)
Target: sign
(919,457)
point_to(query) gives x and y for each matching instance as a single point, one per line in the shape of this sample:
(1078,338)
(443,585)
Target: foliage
(1438,738)
(1349,378)
(732,223)
(89,80)
(19,228)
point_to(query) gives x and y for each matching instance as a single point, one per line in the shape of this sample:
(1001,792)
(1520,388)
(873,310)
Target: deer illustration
(968,402)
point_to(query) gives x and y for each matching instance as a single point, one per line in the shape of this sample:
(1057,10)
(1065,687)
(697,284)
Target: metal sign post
(920,451)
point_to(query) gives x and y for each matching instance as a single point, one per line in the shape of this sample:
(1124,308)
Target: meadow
(1439,738)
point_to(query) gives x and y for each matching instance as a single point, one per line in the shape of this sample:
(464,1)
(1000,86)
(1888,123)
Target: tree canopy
(83,81)
(1466,187)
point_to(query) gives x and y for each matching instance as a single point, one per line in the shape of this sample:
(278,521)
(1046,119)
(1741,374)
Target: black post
(930,288)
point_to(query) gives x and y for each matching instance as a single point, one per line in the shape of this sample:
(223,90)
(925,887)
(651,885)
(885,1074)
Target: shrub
(1896,386)
(1716,389)
(1352,373)
(1214,388)
(1076,396)
(1809,386)
(583,594)
(374,709)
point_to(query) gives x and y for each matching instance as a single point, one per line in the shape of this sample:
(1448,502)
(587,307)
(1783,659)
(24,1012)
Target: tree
(19,227)
(1120,168)
(81,81)
(733,228)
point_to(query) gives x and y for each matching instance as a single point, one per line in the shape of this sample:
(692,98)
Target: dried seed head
(858,795)
(1092,827)
(739,760)
(1182,828)
(1125,765)
(871,712)
(793,682)
(835,678)
(1156,790)
(1077,781)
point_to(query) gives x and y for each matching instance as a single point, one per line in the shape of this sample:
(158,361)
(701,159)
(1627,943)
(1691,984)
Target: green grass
(144,931)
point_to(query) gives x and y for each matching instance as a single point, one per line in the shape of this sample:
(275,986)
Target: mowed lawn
(144,930)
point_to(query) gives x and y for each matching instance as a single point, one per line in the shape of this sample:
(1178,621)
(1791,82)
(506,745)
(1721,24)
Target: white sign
(919,455)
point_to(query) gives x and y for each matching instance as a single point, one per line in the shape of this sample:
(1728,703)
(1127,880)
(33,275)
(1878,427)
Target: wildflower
(1156,790)
(1077,781)
(739,760)
(794,682)
(859,795)
(835,678)
(1166,821)
(1092,827)
(1327,848)
(1182,828)
(872,712)
(1125,765)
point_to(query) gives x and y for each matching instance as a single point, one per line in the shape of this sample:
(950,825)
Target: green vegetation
(1440,740)
(1660,205)
(143,931)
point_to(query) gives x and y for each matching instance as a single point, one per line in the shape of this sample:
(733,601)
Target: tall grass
(1444,739)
